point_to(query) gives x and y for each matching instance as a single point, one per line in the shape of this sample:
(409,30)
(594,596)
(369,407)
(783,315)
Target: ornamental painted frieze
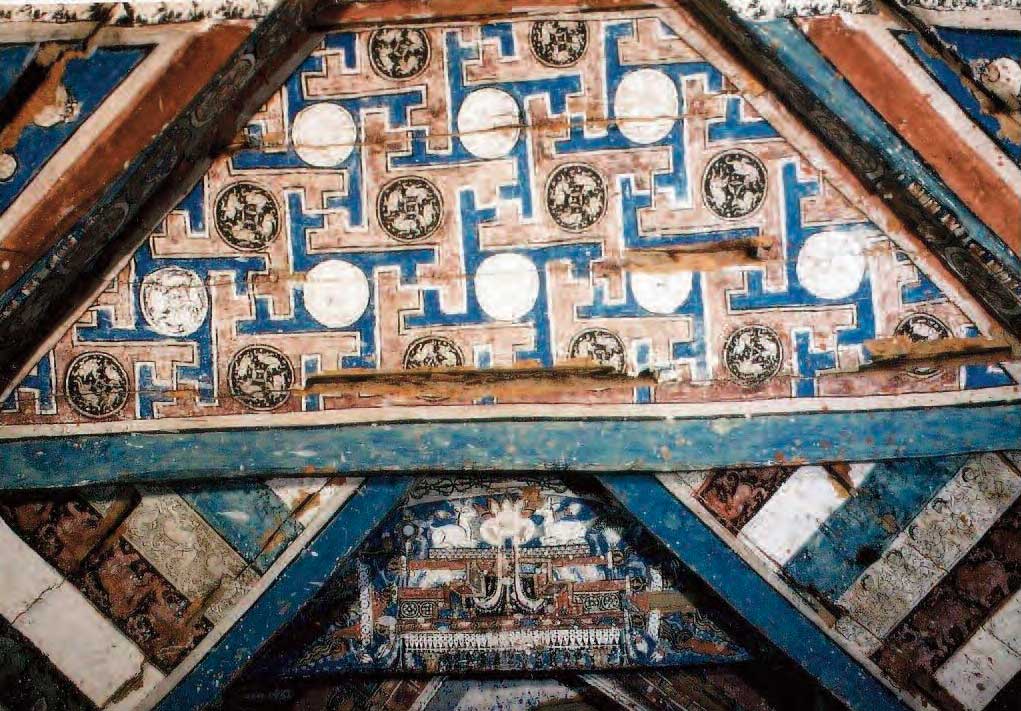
(458,195)
(512,575)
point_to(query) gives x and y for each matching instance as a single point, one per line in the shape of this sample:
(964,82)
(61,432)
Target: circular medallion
(247,217)
(575,197)
(601,346)
(174,301)
(922,327)
(1002,76)
(734,184)
(324,134)
(558,43)
(260,377)
(398,52)
(753,354)
(8,166)
(487,123)
(646,106)
(661,293)
(96,385)
(409,208)
(831,264)
(336,293)
(433,352)
(506,286)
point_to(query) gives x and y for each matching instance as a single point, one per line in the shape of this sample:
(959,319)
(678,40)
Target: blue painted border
(804,62)
(296,585)
(591,444)
(709,557)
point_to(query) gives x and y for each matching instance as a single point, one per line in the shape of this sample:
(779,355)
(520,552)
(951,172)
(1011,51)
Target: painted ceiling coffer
(442,357)
(607,189)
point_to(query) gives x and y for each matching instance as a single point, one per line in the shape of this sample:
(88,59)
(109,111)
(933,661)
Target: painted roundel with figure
(575,196)
(558,43)
(398,52)
(174,301)
(599,345)
(433,352)
(753,354)
(409,208)
(96,385)
(260,377)
(247,217)
(734,184)
(922,327)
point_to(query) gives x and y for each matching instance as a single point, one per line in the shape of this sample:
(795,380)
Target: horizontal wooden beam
(642,443)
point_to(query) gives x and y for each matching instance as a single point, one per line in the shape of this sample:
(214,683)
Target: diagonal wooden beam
(756,600)
(198,683)
(786,61)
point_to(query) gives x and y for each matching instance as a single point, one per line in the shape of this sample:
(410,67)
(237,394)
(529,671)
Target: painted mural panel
(511,575)
(455,195)
(914,563)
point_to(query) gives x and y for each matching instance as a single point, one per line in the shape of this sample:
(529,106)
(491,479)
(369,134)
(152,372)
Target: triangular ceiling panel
(481,196)
(502,577)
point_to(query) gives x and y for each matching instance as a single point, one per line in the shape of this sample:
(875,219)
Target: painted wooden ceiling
(209,214)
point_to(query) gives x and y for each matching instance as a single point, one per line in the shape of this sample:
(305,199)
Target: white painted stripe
(55,617)
(683,484)
(188,552)
(795,512)
(151,676)
(24,576)
(988,661)
(83,644)
(929,547)
(426,413)
(323,513)
(294,492)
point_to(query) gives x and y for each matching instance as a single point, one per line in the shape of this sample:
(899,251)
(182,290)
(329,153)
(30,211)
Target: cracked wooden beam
(443,383)
(901,351)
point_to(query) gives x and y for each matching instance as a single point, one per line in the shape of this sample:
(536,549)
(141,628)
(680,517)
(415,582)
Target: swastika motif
(477,196)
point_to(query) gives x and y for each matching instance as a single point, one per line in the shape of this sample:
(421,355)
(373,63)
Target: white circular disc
(8,166)
(831,264)
(488,123)
(661,293)
(324,134)
(645,105)
(1003,76)
(336,293)
(174,301)
(507,286)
